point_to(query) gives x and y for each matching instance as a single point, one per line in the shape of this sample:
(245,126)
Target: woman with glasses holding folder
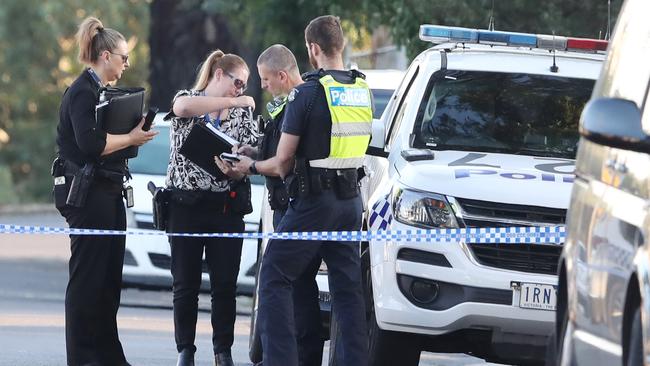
(200,203)
(92,297)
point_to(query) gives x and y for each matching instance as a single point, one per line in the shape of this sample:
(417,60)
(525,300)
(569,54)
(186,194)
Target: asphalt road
(33,276)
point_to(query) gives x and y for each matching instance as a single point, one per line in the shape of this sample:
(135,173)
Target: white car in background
(382,84)
(147,261)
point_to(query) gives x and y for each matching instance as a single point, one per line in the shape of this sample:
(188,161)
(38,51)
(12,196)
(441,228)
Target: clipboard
(203,143)
(119,114)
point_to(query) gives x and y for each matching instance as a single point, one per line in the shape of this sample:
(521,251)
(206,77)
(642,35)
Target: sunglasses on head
(125,58)
(239,84)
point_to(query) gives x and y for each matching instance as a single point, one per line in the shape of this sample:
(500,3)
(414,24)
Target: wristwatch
(252,168)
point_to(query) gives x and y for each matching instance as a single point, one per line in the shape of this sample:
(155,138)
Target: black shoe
(223,359)
(185,358)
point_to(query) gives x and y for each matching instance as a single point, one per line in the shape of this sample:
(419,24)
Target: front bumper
(492,304)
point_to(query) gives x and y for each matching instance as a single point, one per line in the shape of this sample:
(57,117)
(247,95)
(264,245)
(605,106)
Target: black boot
(223,359)
(186,357)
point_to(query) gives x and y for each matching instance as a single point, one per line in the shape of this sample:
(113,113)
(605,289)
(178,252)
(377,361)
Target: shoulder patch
(292,94)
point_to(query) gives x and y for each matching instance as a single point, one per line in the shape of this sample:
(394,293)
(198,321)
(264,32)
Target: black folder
(119,114)
(202,144)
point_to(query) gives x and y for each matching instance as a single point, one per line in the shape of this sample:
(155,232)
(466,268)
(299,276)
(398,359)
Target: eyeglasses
(125,58)
(239,84)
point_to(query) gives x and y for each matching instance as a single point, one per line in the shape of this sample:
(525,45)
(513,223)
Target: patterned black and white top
(185,175)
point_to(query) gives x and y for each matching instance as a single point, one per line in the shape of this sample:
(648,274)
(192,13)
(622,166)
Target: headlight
(422,209)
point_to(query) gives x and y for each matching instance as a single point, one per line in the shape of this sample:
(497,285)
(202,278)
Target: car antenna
(609,19)
(491,22)
(554,67)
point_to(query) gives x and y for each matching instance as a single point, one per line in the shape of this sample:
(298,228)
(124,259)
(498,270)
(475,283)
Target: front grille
(165,262)
(493,210)
(531,258)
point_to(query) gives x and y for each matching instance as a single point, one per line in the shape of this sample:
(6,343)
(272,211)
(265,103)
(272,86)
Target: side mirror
(377,143)
(614,122)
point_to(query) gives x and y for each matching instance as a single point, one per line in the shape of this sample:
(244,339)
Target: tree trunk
(181,37)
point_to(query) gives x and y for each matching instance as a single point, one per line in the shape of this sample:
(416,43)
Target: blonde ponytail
(93,39)
(217,60)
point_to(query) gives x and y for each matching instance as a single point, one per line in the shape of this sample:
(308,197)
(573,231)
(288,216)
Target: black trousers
(92,297)
(285,261)
(222,256)
(306,310)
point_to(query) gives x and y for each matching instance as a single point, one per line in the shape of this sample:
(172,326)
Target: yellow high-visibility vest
(350,106)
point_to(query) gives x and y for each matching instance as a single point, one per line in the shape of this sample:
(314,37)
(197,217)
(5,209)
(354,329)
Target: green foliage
(38,58)
(38,61)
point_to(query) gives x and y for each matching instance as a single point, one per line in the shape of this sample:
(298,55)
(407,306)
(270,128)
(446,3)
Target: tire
(254,340)
(635,355)
(386,348)
(564,343)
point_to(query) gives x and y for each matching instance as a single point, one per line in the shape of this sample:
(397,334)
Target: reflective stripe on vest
(351,109)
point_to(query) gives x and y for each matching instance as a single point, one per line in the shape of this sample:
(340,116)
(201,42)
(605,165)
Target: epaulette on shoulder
(358,74)
(313,75)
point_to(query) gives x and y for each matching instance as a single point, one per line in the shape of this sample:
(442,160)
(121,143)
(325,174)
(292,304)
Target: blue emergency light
(442,34)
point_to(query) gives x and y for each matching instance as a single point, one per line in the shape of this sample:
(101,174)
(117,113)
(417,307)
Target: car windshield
(510,113)
(380,98)
(153,157)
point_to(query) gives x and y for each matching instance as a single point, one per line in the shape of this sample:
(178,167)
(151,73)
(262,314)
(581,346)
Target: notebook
(203,143)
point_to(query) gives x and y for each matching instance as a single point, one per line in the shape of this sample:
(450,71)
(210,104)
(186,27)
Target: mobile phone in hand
(148,120)
(229,157)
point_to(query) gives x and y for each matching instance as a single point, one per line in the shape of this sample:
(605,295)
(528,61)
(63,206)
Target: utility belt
(237,201)
(72,182)
(312,181)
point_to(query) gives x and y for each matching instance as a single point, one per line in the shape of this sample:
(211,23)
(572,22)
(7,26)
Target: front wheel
(635,356)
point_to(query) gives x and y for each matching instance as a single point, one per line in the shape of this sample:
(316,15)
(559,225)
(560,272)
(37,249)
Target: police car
(482,132)
(147,261)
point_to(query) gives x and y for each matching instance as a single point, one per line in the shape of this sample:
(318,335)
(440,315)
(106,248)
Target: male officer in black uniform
(326,130)
(279,75)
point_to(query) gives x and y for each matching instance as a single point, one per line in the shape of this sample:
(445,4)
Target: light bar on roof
(507,38)
(551,42)
(586,44)
(442,34)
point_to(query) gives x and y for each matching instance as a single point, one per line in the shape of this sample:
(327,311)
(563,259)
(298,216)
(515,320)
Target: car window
(153,157)
(380,98)
(511,113)
(404,89)
(625,72)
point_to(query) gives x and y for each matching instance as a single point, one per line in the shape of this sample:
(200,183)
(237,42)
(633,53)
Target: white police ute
(482,132)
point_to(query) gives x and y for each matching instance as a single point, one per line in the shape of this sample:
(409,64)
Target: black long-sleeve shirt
(78,138)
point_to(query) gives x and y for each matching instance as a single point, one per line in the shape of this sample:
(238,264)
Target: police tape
(499,235)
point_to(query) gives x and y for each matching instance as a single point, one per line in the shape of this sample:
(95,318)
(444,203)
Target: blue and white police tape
(500,235)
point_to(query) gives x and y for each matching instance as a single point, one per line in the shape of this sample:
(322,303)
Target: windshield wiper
(541,152)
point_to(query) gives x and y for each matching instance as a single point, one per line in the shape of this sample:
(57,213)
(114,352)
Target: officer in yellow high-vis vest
(326,131)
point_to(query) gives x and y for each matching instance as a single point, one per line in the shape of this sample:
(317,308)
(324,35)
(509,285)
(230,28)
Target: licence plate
(537,296)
